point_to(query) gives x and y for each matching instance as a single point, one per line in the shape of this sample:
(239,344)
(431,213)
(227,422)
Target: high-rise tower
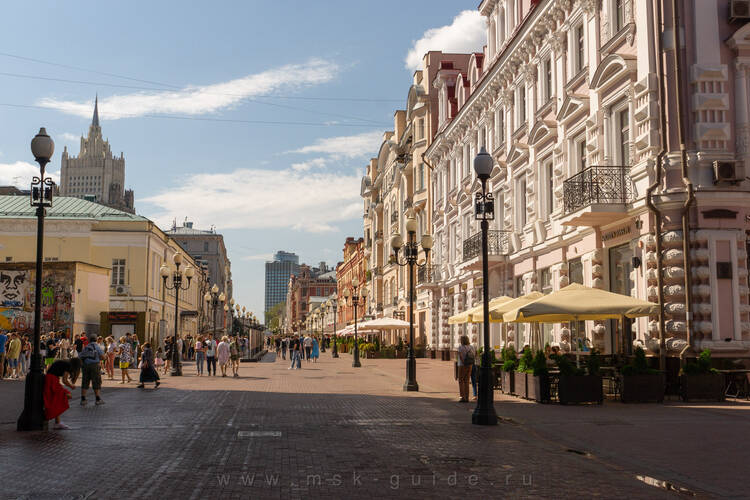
(95,174)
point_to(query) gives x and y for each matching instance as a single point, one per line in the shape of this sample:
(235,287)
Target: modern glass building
(278,271)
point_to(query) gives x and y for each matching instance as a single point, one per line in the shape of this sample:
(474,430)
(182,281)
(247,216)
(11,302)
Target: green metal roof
(63,207)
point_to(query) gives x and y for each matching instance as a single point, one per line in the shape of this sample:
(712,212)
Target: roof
(63,207)
(187,231)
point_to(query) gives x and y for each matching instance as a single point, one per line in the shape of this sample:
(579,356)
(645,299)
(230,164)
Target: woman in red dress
(55,395)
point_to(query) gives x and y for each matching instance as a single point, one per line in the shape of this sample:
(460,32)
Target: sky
(257,118)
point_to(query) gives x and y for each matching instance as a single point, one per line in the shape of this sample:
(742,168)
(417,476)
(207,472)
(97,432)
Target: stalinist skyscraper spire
(95,174)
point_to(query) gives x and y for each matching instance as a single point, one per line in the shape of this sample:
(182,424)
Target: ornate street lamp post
(32,417)
(331,304)
(214,299)
(353,296)
(484,413)
(411,252)
(176,286)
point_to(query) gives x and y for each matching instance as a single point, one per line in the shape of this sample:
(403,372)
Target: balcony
(597,196)
(394,218)
(424,275)
(497,249)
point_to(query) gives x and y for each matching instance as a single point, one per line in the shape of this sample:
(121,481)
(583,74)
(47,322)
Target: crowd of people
(299,347)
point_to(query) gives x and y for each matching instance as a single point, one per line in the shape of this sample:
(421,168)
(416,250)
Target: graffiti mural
(17,299)
(14,287)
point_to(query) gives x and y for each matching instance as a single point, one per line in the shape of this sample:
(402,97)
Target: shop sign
(122,317)
(617,233)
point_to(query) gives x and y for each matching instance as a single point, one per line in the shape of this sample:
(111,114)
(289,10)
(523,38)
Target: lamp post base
(32,417)
(356,363)
(176,370)
(335,354)
(411,384)
(484,413)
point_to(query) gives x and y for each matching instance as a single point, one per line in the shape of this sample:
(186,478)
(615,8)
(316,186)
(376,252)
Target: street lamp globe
(355,282)
(215,288)
(222,297)
(365,293)
(177,258)
(189,272)
(483,164)
(411,225)
(345,293)
(237,308)
(164,271)
(42,146)
(427,241)
(226,308)
(207,297)
(396,241)
(231,302)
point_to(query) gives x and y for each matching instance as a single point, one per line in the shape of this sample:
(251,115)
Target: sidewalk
(333,431)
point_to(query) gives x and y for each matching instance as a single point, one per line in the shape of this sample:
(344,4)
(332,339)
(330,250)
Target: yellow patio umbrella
(577,303)
(496,313)
(474,315)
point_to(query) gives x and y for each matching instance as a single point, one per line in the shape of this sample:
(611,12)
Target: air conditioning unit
(728,171)
(739,10)
(122,290)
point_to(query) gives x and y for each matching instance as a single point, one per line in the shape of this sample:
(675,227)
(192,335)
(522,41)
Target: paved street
(331,431)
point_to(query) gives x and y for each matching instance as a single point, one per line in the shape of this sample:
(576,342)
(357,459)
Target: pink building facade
(584,106)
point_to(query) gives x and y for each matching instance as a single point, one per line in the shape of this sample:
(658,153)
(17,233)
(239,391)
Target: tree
(275,316)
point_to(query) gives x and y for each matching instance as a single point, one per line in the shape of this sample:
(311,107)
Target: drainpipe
(652,188)
(688,185)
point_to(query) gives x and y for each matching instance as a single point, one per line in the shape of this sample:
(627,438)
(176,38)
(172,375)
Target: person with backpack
(234,356)
(91,357)
(466,358)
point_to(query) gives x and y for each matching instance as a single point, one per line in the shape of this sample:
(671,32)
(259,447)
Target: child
(159,359)
(55,395)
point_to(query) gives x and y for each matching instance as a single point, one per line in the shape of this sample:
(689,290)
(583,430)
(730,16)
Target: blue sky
(187,91)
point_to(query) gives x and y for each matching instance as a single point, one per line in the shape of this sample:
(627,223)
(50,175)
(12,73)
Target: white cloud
(350,146)
(467,33)
(20,173)
(304,166)
(66,136)
(260,256)
(198,100)
(261,199)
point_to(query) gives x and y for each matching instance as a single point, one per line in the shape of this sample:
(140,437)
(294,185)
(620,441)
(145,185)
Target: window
(623,142)
(547,81)
(118,271)
(205,246)
(580,153)
(619,15)
(500,121)
(521,105)
(575,271)
(420,129)
(580,52)
(467,161)
(420,176)
(519,286)
(520,203)
(549,185)
(545,280)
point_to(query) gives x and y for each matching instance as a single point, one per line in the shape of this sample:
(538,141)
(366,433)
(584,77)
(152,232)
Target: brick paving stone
(333,431)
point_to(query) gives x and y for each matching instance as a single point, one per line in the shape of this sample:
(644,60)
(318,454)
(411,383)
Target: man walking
(3,341)
(284,345)
(308,347)
(91,356)
(14,350)
(294,353)
(210,347)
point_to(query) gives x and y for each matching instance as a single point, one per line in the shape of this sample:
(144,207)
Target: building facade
(305,287)
(95,174)
(353,265)
(584,106)
(278,272)
(207,249)
(396,184)
(130,248)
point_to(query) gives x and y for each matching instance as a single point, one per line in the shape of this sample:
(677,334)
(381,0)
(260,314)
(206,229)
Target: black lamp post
(214,299)
(484,413)
(32,417)
(331,304)
(176,286)
(411,252)
(353,295)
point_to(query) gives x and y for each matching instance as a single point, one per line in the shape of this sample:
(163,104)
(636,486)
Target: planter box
(372,355)
(520,384)
(497,372)
(580,389)
(509,381)
(537,388)
(705,386)
(433,354)
(643,388)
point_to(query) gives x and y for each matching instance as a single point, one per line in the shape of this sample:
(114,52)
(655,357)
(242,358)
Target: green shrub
(566,367)
(493,358)
(701,366)
(527,358)
(539,364)
(639,365)
(594,363)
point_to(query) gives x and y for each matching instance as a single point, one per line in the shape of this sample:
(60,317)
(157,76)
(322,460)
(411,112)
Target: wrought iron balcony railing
(424,275)
(497,244)
(394,218)
(598,184)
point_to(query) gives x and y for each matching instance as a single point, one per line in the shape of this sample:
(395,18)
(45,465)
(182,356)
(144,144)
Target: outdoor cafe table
(737,378)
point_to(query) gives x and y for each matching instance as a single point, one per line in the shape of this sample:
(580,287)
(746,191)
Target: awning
(496,313)
(474,315)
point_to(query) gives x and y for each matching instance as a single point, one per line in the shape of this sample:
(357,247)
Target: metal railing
(598,184)
(497,244)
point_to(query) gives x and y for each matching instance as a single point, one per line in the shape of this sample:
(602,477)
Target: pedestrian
(234,357)
(91,356)
(134,344)
(3,341)
(51,352)
(284,346)
(308,347)
(466,357)
(158,359)
(148,370)
(210,347)
(123,349)
(23,361)
(13,351)
(79,343)
(222,353)
(278,346)
(315,350)
(295,351)
(111,353)
(63,347)
(168,347)
(56,397)
(200,355)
